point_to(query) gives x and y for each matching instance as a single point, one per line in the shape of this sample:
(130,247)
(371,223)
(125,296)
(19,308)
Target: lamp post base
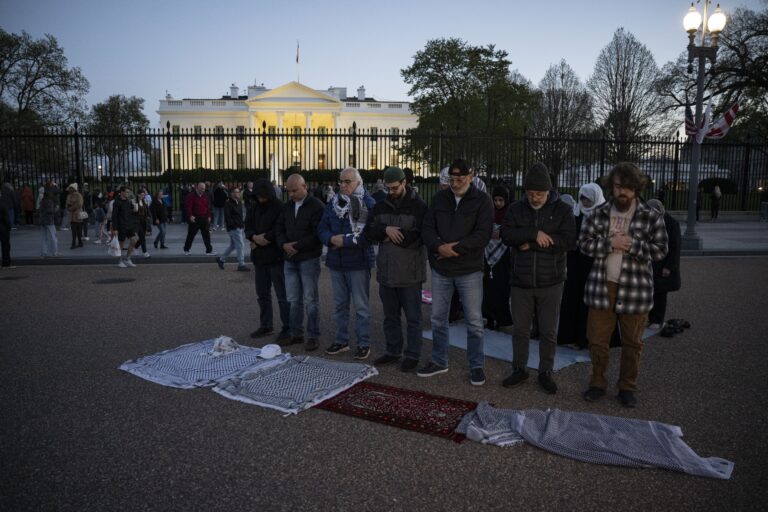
(691,242)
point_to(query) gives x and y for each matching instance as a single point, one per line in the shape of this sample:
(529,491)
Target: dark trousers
(407,300)
(142,234)
(29,217)
(659,311)
(266,277)
(5,245)
(544,305)
(77,233)
(203,225)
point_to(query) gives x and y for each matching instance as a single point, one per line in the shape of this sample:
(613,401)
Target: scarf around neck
(354,209)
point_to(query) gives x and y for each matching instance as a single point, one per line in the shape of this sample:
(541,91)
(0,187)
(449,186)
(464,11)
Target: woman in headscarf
(496,276)
(572,328)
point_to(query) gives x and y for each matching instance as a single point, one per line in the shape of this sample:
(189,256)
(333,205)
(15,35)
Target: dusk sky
(195,49)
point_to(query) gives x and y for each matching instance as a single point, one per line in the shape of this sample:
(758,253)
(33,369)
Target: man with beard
(456,230)
(624,236)
(400,266)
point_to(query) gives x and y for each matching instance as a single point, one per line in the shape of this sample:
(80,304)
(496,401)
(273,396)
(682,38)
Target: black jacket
(539,267)
(301,228)
(262,218)
(402,265)
(159,211)
(233,214)
(672,282)
(470,224)
(220,196)
(123,217)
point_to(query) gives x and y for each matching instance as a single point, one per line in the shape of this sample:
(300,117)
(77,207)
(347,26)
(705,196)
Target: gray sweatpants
(545,303)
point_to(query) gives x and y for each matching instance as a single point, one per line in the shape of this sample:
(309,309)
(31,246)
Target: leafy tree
(37,88)
(121,124)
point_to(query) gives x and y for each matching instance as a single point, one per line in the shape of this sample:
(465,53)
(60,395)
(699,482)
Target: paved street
(78,434)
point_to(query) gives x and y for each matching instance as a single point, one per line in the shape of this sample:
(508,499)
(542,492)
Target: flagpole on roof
(298,80)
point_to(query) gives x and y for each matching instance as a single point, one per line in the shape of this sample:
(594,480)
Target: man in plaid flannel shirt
(624,236)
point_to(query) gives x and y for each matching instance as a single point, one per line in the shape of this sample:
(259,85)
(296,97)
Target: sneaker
(547,382)
(284,335)
(261,331)
(627,398)
(188,253)
(385,360)
(593,394)
(654,326)
(311,344)
(155,243)
(163,246)
(519,375)
(336,348)
(220,263)
(408,364)
(147,255)
(97,242)
(212,253)
(130,263)
(86,238)
(476,376)
(431,369)
(362,352)
(121,264)
(243,269)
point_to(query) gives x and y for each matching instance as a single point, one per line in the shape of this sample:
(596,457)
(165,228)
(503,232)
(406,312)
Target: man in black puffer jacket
(540,229)
(267,258)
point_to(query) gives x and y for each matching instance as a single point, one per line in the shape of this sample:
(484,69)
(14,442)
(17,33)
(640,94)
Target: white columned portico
(278,155)
(335,150)
(308,141)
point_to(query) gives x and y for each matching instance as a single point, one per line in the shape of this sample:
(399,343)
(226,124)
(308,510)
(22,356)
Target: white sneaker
(654,326)
(147,255)
(86,238)
(97,241)
(212,253)
(188,253)
(130,263)
(121,264)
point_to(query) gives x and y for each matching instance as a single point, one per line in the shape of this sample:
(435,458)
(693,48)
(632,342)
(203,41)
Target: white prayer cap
(270,351)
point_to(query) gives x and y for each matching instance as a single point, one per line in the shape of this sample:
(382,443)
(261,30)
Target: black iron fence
(175,157)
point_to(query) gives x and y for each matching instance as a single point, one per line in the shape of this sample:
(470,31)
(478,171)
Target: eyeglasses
(395,188)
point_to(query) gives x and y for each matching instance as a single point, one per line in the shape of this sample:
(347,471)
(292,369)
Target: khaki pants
(600,326)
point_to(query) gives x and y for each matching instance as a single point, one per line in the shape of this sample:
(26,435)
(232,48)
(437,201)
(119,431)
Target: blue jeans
(218,217)
(409,301)
(235,244)
(160,238)
(470,289)
(49,242)
(266,277)
(301,279)
(351,284)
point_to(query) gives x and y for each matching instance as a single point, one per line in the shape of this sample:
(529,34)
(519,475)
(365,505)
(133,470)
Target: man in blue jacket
(350,258)
(455,231)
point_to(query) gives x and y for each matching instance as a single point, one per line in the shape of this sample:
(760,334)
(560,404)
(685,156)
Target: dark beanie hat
(537,178)
(393,174)
(500,191)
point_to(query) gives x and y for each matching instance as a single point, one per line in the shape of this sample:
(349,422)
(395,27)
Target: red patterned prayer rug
(412,410)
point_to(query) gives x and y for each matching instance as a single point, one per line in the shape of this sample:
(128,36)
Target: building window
(219,131)
(175,130)
(373,161)
(219,162)
(240,131)
(198,129)
(241,160)
(176,161)
(321,161)
(374,133)
(198,160)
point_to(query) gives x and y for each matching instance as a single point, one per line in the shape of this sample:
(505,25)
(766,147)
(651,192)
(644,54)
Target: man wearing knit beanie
(540,230)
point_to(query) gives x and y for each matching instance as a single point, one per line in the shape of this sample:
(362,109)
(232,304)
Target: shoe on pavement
(212,253)
(243,269)
(627,398)
(122,264)
(547,382)
(476,376)
(362,352)
(284,335)
(385,360)
(431,370)
(220,263)
(336,348)
(188,253)
(97,242)
(593,394)
(293,340)
(130,263)
(408,364)
(163,246)
(147,255)
(86,239)
(654,326)
(519,375)
(311,344)
(261,331)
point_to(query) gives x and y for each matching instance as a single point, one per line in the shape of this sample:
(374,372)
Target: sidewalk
(733,235)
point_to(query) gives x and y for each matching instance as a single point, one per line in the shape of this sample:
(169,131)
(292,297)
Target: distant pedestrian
(198,210)
(28,205)
(142,222)
(100,217)
(49,244)
(666,272)
(220,196)
(125,225)
(160,216)
(714,199)
(233,221)
(8,202)
(74,206)
(5,231)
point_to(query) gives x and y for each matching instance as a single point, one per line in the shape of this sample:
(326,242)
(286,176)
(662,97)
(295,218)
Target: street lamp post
(702,52)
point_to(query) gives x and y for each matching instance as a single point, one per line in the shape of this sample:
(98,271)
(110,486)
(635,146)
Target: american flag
(690,123)
(721,127)
(717,130)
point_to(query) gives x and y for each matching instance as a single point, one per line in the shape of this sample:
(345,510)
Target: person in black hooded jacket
(267,258)
(540,230)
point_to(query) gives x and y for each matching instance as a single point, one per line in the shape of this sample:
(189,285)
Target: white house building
(282,113)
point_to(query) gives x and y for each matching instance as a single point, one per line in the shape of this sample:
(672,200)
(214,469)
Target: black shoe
(519,375)
(627,398)
(163,246)
(220,263)
(547,383)
(80,244)
(431,370)
(362,352)
(385,360)
(311,344)
(72,247)
(336,348)
(243,269)
(476,376)
(408,364)
(261,331)
(593,394)
(155,244)
(293,340)
(284,335)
